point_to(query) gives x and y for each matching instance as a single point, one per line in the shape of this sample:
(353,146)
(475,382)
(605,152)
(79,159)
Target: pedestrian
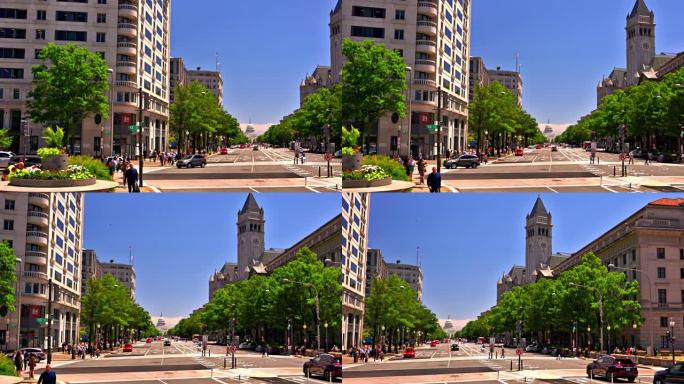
(421,170)
(48,376)
(131,177)
(32,365)
(434,181)
(491,351)
(365,354)
(26,359)
(503,352)
(264,352)
(18,361)
(354,354)
(648,159)
(411,168)
(303,157)
(296,156)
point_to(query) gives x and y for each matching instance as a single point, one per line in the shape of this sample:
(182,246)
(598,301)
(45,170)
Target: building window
(40,34)
(661,272)
(100,37)
(41,14)
(660,253)
(101,18)
(9,205)
(8,225)
(664,322)
(662,297)
(399,34)
(681,254)
(400,14)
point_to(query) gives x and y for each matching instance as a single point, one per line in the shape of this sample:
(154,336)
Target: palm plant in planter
(53,156)
(352,158)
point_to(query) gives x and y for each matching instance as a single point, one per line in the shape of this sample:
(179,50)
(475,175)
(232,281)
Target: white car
(5,158)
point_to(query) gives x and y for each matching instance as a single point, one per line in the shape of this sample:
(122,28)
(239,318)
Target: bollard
(319,172)
(614,170)
(498,375)
(305,181)
(511,365)
(224,363)
(211,372)
(210,353)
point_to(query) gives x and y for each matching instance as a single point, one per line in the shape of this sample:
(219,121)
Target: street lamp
(304,326)
(650,296)
(672,340)
(410,110)
(600,307)
(110,72)
(325,347)
(608,328)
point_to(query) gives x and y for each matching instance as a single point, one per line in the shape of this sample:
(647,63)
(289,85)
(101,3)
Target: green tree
(5,140)
(8,276)
(373,84)
(69,85)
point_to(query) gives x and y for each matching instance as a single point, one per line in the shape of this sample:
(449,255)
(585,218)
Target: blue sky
(178,240)
(468,241)
(266,47)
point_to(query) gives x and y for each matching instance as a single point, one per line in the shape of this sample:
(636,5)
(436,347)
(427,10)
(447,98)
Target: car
(674,374)
(5,158)
(538,146)
(554,149)
(28,160)
(247,345)
(410,353)
(167,342)
(467,161)
(191,161)
(325,365)
(38,352)
(446,341)
(455,347)
(148,340)
(255,148)
(611,368)
(434,343)
(128,347)
(519,152)
(224,151)
(338,154)
(637,154)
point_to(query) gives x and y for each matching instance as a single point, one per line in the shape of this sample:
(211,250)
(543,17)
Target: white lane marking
(551,189)
(608,189)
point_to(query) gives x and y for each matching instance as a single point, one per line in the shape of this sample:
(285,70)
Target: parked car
(409,353)
(148,340)
(637,153)
(224,151)
(434,343)
(255,148)
(519,152)
(5,158)
(38,352)
(554,149)
(674,374)
(191,161)
(467,161)
(325,365)
(538,146)
(128,347)
(167,342)
(612,368)
(28,160)
(248,345)
(455,347)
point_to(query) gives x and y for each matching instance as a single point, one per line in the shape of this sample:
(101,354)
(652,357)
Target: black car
(28,160)
(467,161)
(611,368)
(674,374)
(455,347)
(325,365)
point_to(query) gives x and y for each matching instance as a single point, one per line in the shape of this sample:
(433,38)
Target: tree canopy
(8,276)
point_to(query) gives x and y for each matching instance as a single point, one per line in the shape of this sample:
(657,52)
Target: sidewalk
(429,164)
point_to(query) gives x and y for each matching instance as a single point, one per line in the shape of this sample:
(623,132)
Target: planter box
(352,163)
(366,184)
(32,183)
(55,163)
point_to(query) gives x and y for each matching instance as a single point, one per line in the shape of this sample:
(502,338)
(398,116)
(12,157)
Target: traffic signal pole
(439,130)
(140,146)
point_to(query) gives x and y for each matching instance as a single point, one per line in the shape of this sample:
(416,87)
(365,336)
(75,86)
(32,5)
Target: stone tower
(538,240)
(640,41)
(250,226)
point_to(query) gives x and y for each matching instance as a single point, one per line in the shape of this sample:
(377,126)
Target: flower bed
(73,176)
(369,176)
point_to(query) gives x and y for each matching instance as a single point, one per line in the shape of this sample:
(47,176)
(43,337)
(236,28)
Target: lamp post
(304,326)
(650,296)
(672,340)
(608,329)
(49,323)
(110,72)
(410,110)
(325,347)
(382,339)
(600,308)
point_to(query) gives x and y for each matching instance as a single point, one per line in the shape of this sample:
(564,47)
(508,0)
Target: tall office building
(355,213)
(434,38)
(125,273)
(179,76)
(91,269)
(210,79)
(46,232)
(481,76)
(133,38)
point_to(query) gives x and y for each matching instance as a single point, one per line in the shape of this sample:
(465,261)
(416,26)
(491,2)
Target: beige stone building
(125,273)
(355,221)
(434,38)
(213,80)
(481,76)
(179,76)
(91,269)
(320,78)
(46,232)
(133,38)
(378,268)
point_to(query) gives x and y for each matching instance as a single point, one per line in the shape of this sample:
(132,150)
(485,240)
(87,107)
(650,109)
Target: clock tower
(537,240)
(250,225)
(640,41)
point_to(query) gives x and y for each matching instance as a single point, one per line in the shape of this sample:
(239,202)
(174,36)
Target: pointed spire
(539,208)
(250,204)
(640,8)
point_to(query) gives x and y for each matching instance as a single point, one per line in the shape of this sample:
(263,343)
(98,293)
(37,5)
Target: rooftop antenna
(218,64)
(418,259)
(130,254)
(517,62)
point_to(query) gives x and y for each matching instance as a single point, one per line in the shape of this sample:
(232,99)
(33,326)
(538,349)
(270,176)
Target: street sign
(519,352)
(231,349)
(41,321)
(133,128)
(328,157)
(432,128)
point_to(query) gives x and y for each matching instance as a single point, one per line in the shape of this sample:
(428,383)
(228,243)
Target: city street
(568,170)
(247,170)
(440,365)
(182,362)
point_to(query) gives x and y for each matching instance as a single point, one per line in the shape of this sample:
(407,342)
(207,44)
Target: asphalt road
(567,170)
(247,170)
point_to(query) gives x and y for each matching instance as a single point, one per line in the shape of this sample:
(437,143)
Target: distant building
(179,76)
(412,274)
(125,273)
(321,78)
(91,268)
(213,80)
(481,76)
(375,268)
(355,222)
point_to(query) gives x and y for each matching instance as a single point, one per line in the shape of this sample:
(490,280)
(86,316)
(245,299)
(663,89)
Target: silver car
(192,161)
(5,158)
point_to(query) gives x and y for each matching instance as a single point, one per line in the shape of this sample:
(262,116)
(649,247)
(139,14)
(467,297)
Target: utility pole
(318,322)
(439,130)
(49,323)
(140,136)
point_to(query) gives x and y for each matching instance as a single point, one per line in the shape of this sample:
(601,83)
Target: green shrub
(7,366)
(95,166)
(45,152)
(54,138)
(389,165)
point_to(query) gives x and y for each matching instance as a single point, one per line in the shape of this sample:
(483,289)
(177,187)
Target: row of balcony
(39,199)
(428,8)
